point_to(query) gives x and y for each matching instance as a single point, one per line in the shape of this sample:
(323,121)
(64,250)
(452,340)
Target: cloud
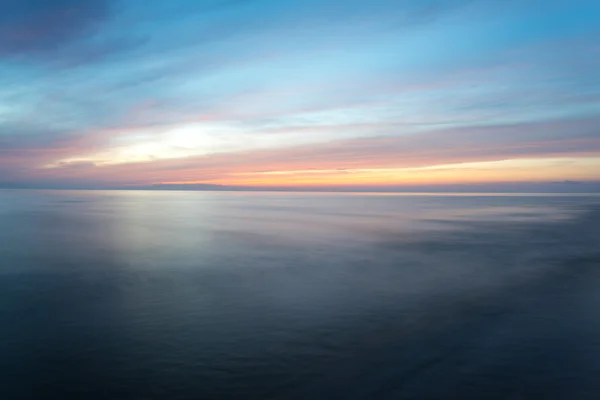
(41,26)
(27,136)
(559,140)
(237,86)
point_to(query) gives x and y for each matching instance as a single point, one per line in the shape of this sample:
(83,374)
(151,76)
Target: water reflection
(188,295)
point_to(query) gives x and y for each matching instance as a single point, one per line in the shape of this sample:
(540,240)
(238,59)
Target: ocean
(272,295)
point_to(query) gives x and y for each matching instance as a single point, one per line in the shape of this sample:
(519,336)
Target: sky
(317,94)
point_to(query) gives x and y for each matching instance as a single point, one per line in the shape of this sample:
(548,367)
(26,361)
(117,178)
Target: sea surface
(231,295)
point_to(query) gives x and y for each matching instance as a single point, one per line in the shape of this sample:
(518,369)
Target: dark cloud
(21,136)
(41,26)
(568,182)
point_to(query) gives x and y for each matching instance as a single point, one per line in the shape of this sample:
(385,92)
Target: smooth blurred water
(223,295)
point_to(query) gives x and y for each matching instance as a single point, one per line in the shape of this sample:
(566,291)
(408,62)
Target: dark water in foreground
(198,295)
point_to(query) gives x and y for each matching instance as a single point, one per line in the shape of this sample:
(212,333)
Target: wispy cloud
(377,160)
(102,91)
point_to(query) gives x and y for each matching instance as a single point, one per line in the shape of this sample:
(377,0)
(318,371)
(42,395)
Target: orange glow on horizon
(543,170)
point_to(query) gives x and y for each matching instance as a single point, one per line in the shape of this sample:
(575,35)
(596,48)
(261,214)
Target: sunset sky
(308,93)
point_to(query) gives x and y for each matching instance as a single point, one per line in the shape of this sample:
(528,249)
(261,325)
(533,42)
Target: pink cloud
(549,140)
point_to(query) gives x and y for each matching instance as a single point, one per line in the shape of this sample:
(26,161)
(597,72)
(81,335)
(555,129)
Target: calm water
(206,295)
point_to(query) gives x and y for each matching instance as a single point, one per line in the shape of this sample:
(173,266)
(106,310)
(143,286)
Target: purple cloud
(38,26)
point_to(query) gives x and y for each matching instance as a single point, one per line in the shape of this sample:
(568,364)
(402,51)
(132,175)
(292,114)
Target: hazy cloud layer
(116,92)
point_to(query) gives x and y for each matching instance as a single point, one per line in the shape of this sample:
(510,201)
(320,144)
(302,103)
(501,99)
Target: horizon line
(275,190)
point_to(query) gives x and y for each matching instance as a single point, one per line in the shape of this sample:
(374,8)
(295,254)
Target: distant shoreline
(309,191)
